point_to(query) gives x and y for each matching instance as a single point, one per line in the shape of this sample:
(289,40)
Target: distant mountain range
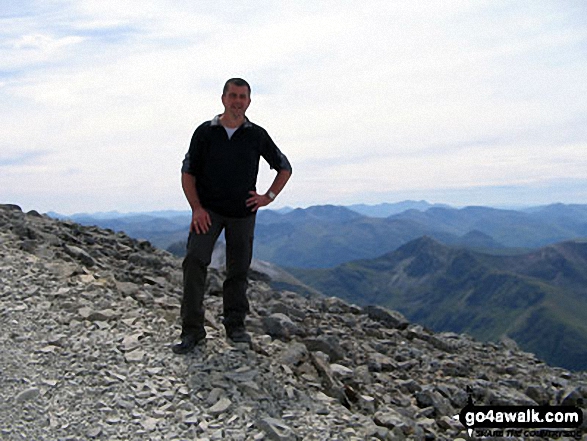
(539,298)
(328,235)
(166,229)
(389,209)
(161,228)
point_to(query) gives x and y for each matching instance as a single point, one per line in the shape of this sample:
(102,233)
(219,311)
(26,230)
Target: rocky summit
(88,317)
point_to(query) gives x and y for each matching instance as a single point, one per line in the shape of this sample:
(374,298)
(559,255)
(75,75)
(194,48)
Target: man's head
(236,98)
(237,82)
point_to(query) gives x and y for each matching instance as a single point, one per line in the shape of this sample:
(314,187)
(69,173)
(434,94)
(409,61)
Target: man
(219,176)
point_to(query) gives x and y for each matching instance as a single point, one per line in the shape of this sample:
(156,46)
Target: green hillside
(539,298)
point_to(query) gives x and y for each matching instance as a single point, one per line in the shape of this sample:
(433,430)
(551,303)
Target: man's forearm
(201,221)
(188,183)
(279,182)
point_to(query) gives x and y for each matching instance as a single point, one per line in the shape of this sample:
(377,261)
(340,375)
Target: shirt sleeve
(186,164)
(190,160)
(274,157)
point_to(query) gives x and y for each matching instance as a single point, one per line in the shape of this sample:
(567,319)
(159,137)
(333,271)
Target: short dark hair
(237,82)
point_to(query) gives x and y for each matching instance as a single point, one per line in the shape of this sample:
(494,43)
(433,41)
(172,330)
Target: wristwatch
(271,195)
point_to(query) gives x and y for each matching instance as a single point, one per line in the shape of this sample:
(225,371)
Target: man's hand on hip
(257,200)
(201,221)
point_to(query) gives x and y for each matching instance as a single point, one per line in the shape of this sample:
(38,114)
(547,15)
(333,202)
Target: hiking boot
(239,335)
(189,342)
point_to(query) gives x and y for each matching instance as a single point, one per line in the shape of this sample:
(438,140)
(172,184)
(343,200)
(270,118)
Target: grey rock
(242,375)
(294,354)
(280,326)
(367,404)
(389,318)
(509,343)
(448,423)
(501,396)
(94,432)
(538,394)
(276,430)
(127,288)
(28,394)
(576,397)
(381,363)
(80,255)
(102,316)
(11,207)
(329,344)
(288,310)
(215,395)
(29,245)
(220,407)
(431,398)
(144,260)
(332,386)
(410,386)
(87,313)
(390,418)
(342,371)
(452,368)
(134,356)
(334,305)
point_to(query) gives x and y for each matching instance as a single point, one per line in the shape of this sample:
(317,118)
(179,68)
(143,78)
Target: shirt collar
(216,122)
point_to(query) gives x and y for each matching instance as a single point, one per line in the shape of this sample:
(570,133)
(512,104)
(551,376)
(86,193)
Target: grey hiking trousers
(239,234)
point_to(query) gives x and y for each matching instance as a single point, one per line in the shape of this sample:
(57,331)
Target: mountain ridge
(328,235)
(461,290)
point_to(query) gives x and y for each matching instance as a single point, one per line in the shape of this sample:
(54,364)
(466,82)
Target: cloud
(413,96)
(21,159)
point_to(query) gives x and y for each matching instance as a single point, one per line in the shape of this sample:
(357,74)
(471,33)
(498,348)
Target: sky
(456,102)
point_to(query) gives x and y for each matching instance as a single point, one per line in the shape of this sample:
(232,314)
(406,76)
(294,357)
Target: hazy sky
(459,102)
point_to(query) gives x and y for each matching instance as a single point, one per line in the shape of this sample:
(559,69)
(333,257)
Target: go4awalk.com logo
(522,421)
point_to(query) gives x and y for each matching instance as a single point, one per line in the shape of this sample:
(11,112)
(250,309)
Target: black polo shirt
(226,169)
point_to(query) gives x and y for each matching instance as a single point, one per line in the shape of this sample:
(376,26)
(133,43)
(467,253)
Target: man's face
(236,100)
